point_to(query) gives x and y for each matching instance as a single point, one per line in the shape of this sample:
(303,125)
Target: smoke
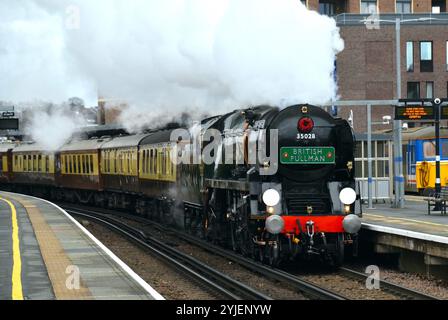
(167,57)
(51,125)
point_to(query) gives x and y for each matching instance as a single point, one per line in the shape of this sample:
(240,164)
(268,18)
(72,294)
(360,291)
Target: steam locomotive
(271,183)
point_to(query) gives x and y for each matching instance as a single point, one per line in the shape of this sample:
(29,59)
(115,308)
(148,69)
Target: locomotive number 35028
(306,136)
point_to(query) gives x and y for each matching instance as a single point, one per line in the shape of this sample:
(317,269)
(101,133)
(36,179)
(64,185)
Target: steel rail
(194,268)
(308,288)
(390,287)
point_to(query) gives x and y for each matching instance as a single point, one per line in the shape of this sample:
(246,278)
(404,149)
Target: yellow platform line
(17,293)
(405,219)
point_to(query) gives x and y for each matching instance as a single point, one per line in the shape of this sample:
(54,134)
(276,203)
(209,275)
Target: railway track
(405,293)
(197,270)
(307,287)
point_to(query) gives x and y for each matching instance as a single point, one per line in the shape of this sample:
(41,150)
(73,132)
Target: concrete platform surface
(414,218)
(46,254)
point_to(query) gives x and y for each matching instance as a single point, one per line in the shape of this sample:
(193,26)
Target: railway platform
(420,240)
(45,254)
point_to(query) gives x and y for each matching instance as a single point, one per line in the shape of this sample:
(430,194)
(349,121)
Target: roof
(31,147)
(157,137)
(125,141)
(99,131)
(4,147)
(82,145)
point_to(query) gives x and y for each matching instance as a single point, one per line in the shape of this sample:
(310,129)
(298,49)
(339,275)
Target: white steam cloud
(52,128)
(166,57)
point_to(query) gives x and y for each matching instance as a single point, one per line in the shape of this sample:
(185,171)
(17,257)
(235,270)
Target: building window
(438,6)
(429,89)
(403,6)
(368,6)
(446,56)
(413,90)
(409,56)
(326,7)
(426,64)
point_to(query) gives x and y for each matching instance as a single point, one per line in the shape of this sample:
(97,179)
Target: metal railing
(346,19)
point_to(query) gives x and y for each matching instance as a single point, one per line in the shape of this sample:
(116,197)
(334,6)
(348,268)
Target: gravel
(428,285)
(348,287)
(272,288)
(171,284)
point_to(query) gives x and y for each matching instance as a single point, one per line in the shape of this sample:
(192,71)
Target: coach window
(163,160)
(143,167)
(62,164)
(152,163)
(429,149)
(84,164)
(426,63)
(72,164)
(106,161)
(168,162)
(39,163)
(156,164)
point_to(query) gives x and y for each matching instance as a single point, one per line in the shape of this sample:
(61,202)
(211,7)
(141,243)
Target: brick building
(334,7)
(366,69)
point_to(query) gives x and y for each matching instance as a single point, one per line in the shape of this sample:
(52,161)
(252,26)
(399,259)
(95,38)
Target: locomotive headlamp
(271,197)
(347,196)
(270,210)
(351,223)
(305,125)
(274,224)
